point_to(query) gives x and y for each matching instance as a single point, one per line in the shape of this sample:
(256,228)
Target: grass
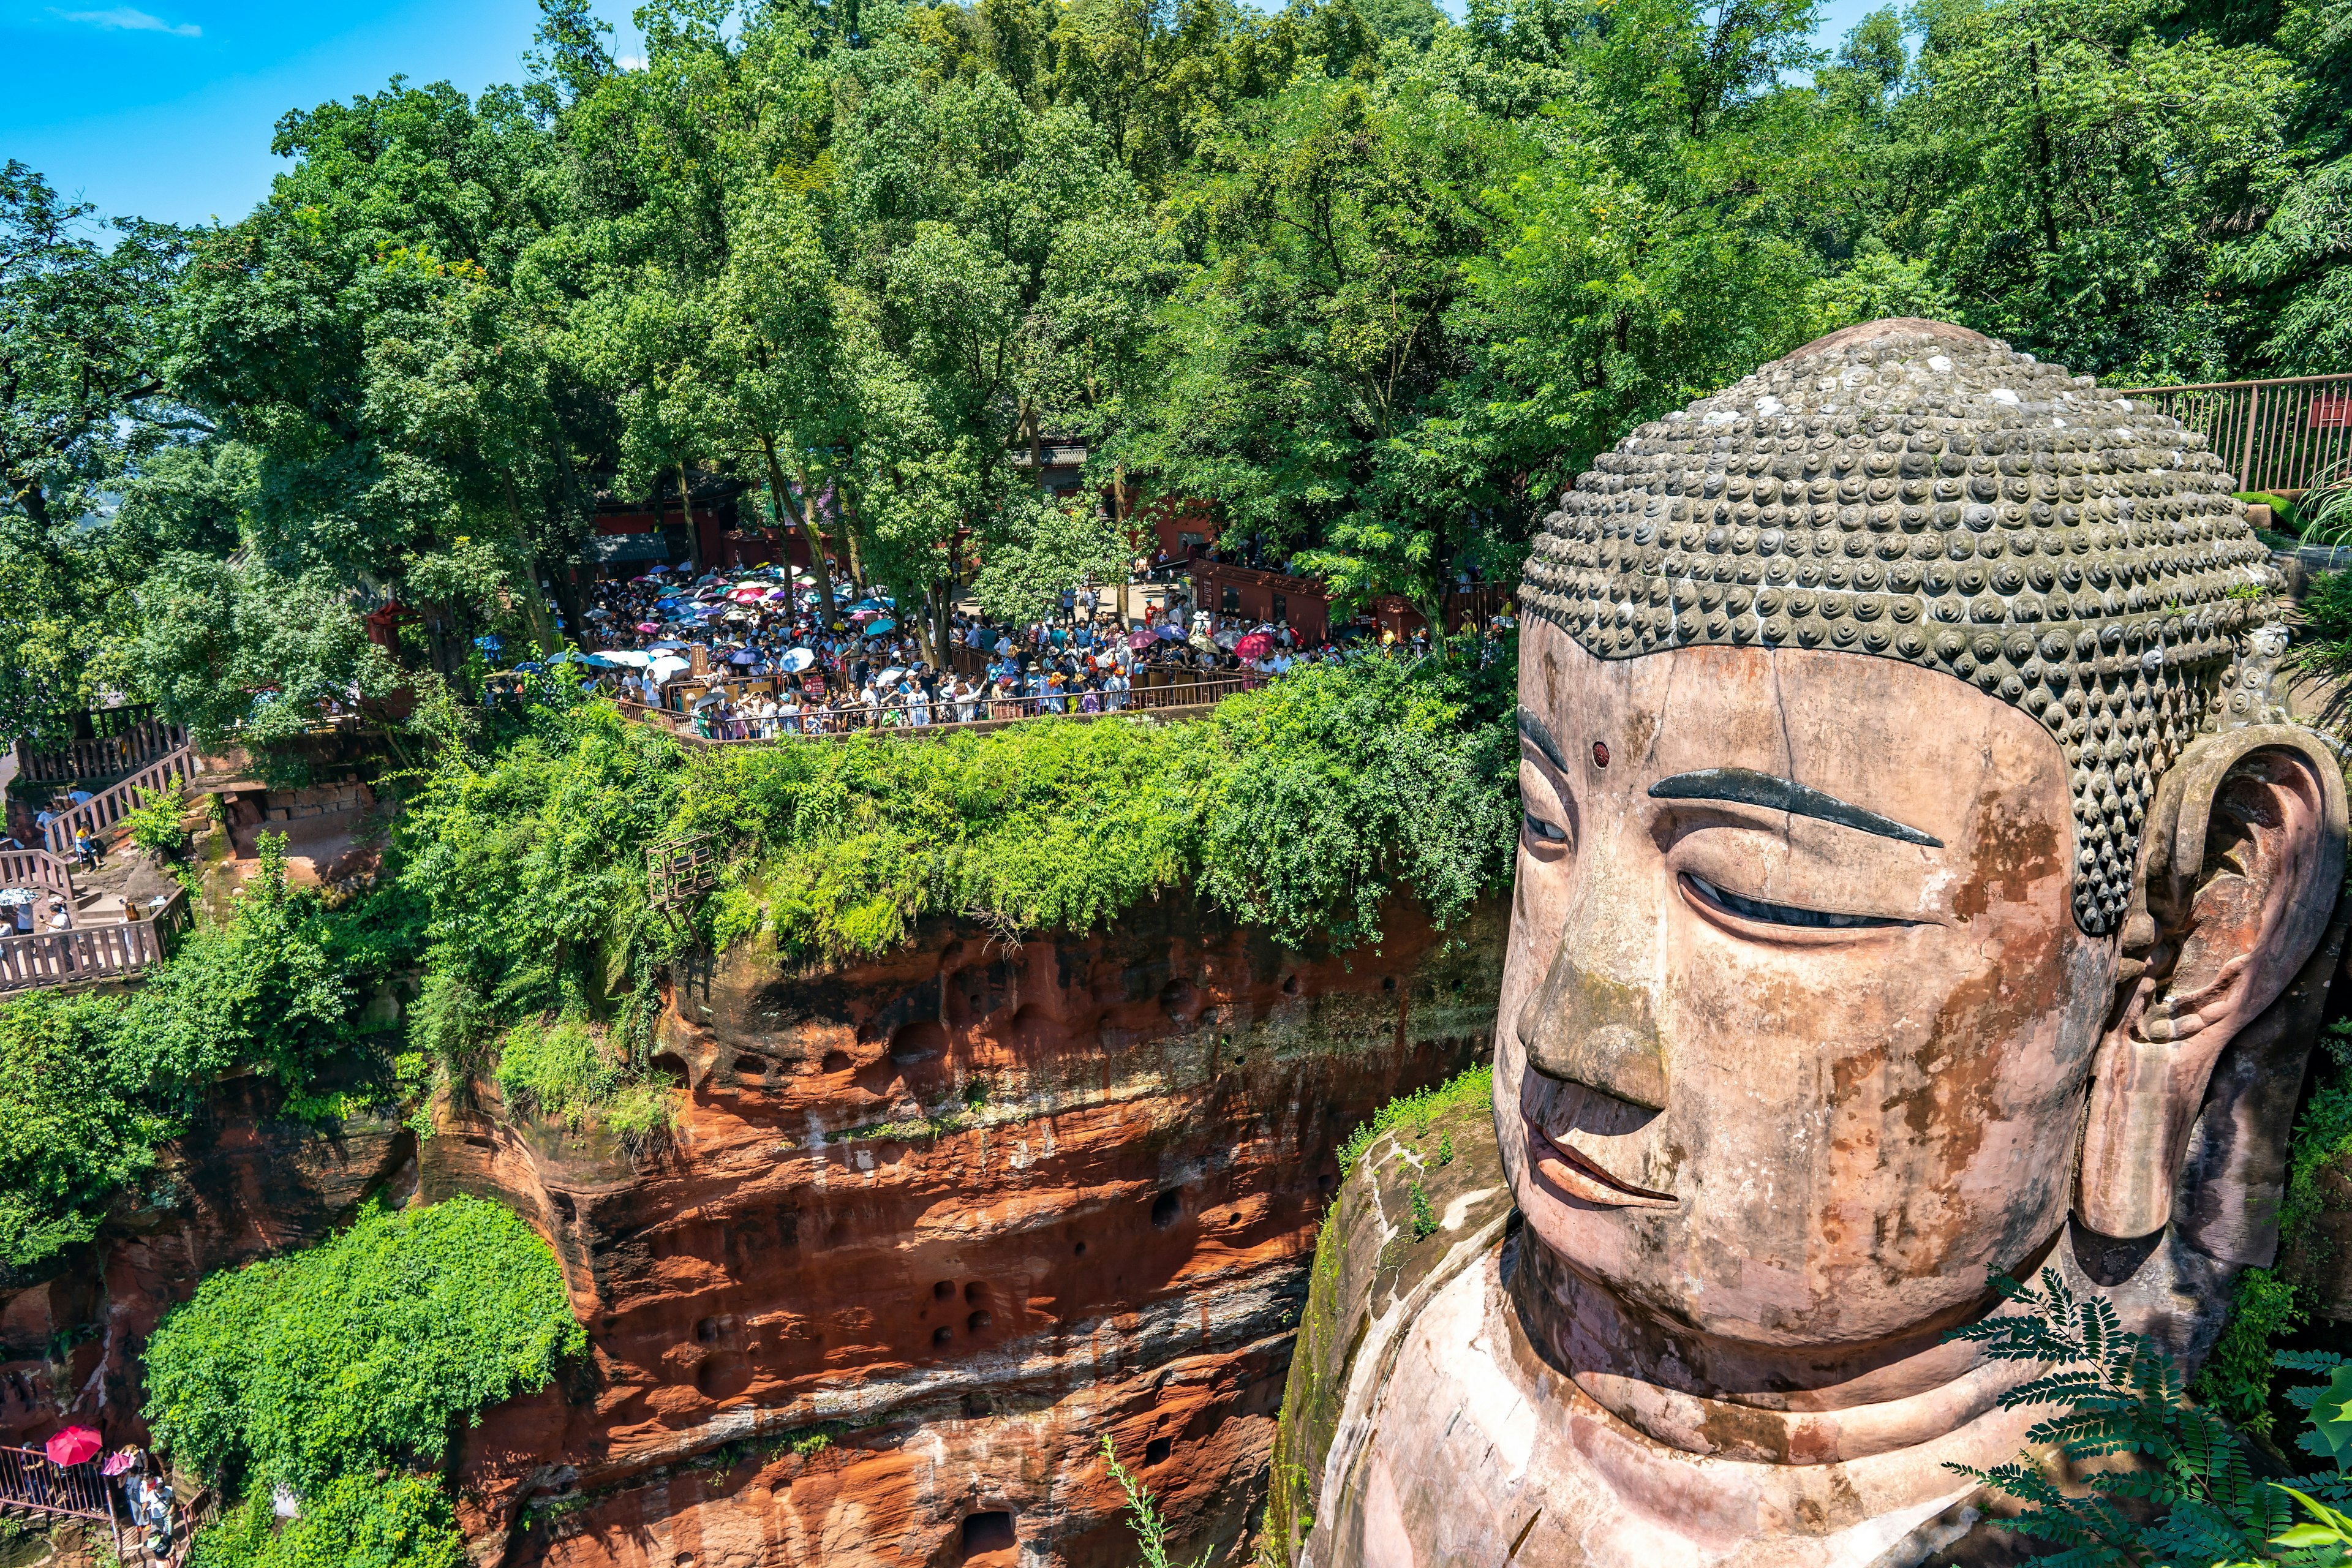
(1417,1109)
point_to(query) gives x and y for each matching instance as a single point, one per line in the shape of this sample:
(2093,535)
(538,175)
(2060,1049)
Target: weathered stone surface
(243,1186)
(1107,1233)
(960,1212)
(1840,977)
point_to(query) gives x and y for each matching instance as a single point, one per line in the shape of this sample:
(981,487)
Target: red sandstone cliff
(1103,1227)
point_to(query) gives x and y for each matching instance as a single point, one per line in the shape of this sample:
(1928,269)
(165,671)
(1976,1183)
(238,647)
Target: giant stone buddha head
(1894,872)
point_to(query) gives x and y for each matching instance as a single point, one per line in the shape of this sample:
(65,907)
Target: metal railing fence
(2282,434)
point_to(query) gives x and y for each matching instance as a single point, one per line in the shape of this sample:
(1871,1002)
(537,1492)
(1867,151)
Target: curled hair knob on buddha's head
(1913,490)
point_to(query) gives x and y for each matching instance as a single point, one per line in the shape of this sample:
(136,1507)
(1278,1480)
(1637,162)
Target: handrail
(38,868)
(81,956)
(2221,386)
(111,805)
(29,1478)
(986,711)
(134,745)
(2288,433)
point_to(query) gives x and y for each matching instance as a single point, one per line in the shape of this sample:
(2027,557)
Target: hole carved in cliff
(834,1061)
(977,1322)
(1165,1208)
(1156,1452)
(988,1532)
(921,1041)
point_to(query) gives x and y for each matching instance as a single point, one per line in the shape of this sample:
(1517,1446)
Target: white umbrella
(665,669)
(628,656)
(889,677)
(793,663)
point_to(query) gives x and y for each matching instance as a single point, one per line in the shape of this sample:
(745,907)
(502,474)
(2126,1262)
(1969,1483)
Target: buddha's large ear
(2242,858)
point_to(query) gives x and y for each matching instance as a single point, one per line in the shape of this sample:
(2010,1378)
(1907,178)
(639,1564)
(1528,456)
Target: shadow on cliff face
(932,1225)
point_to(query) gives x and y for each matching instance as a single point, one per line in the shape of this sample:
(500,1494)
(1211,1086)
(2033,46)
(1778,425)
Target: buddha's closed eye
(1764,912)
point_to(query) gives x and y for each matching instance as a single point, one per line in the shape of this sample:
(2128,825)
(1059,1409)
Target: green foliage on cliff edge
(90,1085)
(1299,808)
(331,1371)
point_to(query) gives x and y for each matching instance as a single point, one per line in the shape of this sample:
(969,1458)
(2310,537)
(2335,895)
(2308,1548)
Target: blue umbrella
(875,629)
(489,643)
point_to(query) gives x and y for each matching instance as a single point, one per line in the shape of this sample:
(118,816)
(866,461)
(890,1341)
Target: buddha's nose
(1584,1027)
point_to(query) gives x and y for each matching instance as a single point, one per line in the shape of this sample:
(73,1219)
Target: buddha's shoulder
(1426,1198)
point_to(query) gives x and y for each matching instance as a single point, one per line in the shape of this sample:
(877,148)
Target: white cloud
(631,62)
(123,19)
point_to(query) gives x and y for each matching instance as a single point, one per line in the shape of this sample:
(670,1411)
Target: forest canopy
(1374,280)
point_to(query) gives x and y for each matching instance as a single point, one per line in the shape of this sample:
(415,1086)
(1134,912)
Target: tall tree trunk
(2041,153)
(686,505)
(534,604)
(849,536)
(809,530)
(1119,516)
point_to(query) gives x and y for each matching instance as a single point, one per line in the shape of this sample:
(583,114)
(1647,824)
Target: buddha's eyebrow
(1541,738)
(1746,788)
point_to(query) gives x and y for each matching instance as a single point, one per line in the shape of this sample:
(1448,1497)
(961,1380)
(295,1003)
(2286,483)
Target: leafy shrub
(70,1129)
(2236,1377)
(1298,808)
(355,1521)
(2189,1496)
(90,1086)
(361,1353)
(559,1070)
(155,822)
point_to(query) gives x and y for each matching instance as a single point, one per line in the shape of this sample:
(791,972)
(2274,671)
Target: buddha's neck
(1741,1401)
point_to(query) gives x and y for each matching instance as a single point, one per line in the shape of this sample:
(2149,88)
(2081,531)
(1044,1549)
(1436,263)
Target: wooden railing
(125,747)
(111,805)
(2289,433)
(38,868)
(80,956)
(947,714)
(28,1480)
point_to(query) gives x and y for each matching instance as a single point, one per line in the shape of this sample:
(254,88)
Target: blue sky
(164,107)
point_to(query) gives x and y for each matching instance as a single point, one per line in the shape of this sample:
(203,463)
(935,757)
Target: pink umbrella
(648,628)
(1253,645)
(123,1458)
(1141,639)
(74,1446)
(749,596)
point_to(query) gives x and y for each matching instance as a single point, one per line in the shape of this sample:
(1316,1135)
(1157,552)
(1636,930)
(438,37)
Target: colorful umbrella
(793,663)
(881,627)
(123,1458)
(648,628)
(74,1446)
(1172,633)
(1253,645)
(743,655)
(1141,639)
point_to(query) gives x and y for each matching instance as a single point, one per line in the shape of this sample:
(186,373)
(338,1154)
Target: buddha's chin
(1578,1178)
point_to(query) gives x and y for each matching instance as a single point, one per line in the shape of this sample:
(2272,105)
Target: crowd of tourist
(746,656)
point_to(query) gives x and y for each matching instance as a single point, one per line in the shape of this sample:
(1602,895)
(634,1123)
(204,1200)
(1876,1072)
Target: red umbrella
(74,1446)
(1253,645)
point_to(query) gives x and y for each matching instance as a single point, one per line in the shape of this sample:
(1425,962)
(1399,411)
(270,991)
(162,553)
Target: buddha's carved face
(1796,1019)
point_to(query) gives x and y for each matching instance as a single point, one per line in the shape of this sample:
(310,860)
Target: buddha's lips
(1580,1176)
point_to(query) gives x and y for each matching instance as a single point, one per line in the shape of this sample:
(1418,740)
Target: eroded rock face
(941,1222)
(928,1229)
(246,1184)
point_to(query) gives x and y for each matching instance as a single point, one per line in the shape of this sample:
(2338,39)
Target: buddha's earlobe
(2242,858)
